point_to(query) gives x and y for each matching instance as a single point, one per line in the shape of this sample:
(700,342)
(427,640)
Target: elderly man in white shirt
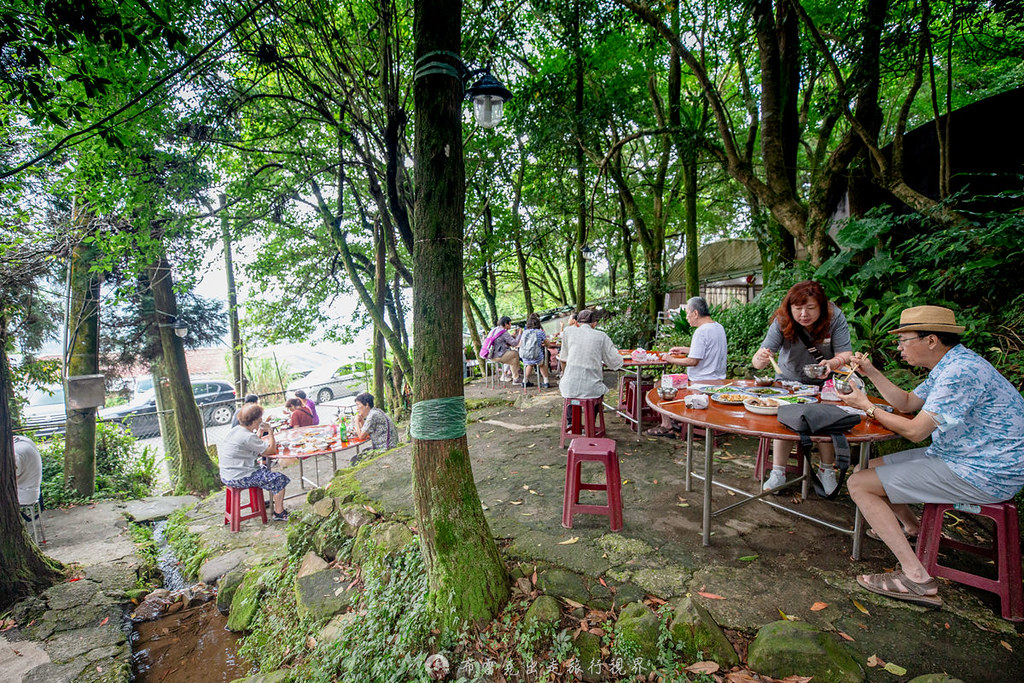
(585,352)
(28,470)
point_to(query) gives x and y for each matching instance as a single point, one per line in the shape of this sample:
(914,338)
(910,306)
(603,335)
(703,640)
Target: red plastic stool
(763,463)
(233,506)
(584,422)
(592,450)
(1005,551)
(627,402)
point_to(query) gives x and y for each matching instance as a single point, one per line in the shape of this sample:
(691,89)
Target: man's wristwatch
(871,412)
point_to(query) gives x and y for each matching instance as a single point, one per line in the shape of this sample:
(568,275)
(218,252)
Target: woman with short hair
(374,424)
(298,413)
(240,452)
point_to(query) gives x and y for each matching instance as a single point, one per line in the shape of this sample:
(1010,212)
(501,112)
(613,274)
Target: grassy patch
(141,535)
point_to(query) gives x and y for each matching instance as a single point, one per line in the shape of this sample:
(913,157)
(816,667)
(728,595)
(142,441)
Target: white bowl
(755,405)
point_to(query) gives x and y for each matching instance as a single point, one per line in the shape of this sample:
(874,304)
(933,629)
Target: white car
(332,381)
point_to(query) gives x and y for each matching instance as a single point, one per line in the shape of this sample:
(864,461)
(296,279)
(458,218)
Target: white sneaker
(775,480)
(828,480)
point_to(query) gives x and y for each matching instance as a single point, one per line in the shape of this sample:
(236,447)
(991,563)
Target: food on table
(765,391)
(763,402)
(734,399)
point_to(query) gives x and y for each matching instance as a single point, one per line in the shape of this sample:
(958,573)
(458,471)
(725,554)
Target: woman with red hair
(806,329)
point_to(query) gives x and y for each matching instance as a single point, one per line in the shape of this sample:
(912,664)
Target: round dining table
(736,419)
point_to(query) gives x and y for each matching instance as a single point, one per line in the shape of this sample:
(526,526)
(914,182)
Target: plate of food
(796,399)
(713,388)
(733,399)
(762,406)
(765,391)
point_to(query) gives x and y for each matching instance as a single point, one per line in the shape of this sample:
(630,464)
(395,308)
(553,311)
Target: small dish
(764,381)
(815,371)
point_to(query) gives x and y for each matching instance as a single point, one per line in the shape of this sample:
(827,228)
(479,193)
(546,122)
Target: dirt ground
(761,561)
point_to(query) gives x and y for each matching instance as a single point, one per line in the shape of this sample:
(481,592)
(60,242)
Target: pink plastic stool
(763,463)
(592,450)
(584,422)
(627,400)
(233,506)
(1005,552)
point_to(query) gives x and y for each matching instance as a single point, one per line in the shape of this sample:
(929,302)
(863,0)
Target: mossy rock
(601,597)
(627,593)
(636,634)
(796,648)
(136,595)
(386,538)
(563,584)
(935,678)
(696,630)
(322,594)
(278,676)
(354,517)
(544,610)
(245,602)
(346,488)
(315,495)
(621,549)
(226,588)
(588,653)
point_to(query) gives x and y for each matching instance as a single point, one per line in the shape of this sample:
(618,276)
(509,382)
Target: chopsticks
(775,365)
(675,400)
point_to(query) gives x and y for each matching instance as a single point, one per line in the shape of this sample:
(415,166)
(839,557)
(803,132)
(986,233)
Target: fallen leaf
(655,481)
(710,596)
(597,631)
(545,467)
(683,505)
(845,637)
(748,558)
(572,603)
(796,679)
(601,581)
(895,669)
(703,668)
(515,502)
(656,601)
(533,577)
(531,445)
(788,617)
(873,660)
(625,481)
(526,487)
(818,606)
(861,607)
(570,541)
(310,643)
(1006,645)
(105,620)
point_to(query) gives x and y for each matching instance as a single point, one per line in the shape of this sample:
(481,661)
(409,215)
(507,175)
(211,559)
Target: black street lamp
(487,92)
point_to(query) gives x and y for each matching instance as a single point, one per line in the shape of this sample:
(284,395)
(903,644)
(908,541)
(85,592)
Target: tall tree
(466,576)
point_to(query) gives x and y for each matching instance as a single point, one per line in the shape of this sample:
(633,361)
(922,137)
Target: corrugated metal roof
(720,260)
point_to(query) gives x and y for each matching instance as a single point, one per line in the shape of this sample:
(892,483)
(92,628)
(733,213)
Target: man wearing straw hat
(975,418)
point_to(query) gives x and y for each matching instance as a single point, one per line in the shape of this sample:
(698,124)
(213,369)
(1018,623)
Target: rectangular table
(737,420)
(328,434)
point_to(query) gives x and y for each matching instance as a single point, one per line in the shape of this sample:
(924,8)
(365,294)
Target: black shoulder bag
(819,419)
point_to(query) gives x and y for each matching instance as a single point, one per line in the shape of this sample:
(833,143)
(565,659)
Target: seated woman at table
(298,413)
(806,329)
(240,452)
(374,424)
(532,351)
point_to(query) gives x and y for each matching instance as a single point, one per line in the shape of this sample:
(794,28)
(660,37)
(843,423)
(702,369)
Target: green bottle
(342,431)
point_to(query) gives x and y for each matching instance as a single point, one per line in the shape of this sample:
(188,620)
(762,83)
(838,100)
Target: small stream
(191,645)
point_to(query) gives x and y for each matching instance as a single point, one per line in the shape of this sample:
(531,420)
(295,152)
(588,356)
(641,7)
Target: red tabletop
(289,441)
(738,420)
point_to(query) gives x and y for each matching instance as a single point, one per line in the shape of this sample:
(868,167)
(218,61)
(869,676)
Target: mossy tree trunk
(23,569)
(196,472)
(466,576)
(82,359)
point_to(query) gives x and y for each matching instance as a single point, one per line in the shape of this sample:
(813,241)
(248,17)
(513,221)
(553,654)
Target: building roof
(721,260)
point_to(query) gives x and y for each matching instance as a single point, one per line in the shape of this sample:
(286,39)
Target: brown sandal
(897,586)
(660,431)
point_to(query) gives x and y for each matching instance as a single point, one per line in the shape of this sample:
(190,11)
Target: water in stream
(189,646)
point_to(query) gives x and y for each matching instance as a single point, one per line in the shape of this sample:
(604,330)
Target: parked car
(216,400)
(44,413)
(331,381)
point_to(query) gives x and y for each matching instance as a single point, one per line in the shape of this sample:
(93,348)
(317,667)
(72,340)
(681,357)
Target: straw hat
(928,319)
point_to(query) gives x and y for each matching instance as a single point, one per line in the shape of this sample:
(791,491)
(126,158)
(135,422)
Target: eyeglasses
(900,343)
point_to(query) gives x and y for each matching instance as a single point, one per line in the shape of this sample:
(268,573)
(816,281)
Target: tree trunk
(689,170)
(196,472)
(380,290)
(467,313)
(23,569)
(581,174)
(236,335)
(165,418)
(82,359)
(466,576)
(517,223)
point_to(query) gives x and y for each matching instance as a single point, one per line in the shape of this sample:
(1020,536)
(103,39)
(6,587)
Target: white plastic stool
(34,512)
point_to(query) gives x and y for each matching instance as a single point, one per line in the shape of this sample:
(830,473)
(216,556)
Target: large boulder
(321,591)
(636,635)
(563,584)
(796,648)
(696,630)
(588,652)
(245,602)
(226,588)
(386,538)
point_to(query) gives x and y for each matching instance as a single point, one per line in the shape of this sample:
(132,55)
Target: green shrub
(124,470)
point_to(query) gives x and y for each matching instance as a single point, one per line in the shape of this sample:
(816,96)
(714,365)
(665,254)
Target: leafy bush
(124,470)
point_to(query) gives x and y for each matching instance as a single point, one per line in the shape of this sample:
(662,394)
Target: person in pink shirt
(309,405)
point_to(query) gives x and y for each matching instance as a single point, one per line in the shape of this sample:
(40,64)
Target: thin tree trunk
(517,223)
(196,472)
(581,172)
(380,290)
(467,313)
(237,366)
(23,569)
(466,576)
(82,359)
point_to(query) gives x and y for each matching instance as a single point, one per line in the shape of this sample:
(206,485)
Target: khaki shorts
(913,477)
